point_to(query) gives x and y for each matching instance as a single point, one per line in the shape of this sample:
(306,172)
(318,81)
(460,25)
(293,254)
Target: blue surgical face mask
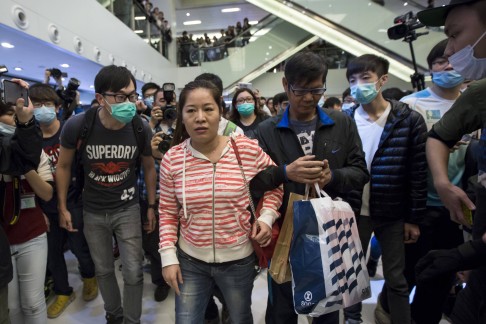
(447,79)
(246,109)
(364,93)
(466,64)
(149,102)
(7,129)
(124,111)
(45,115)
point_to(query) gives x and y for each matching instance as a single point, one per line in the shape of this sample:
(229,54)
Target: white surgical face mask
(464,62)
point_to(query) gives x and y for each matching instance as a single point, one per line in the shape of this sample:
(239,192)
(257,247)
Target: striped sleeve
(168,213)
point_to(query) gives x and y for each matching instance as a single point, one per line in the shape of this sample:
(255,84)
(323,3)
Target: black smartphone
(12,91)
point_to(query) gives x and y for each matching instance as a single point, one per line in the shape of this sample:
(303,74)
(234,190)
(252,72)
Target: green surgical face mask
(124,111)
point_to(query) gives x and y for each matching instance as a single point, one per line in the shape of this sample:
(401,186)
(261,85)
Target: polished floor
(80,312)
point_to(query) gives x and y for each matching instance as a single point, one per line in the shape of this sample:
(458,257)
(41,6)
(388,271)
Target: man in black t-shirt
(110,196)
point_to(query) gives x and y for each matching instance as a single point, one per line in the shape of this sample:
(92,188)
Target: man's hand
(23,114)
(261,233)
(141,106)
(65,220)
(149,226)
(154,144)
(437,262)
(457,146)
(156,116)
(411,233)
(173,277)
(453,197)
(326,176)
(306,170)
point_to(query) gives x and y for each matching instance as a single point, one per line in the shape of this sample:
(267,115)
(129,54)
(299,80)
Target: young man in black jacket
(393,202)
(309,146)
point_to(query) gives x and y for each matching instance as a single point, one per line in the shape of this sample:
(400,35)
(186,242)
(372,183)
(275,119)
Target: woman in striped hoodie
(205,228)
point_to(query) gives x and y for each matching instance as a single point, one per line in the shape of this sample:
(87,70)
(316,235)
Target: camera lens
(170,114)
(164,146)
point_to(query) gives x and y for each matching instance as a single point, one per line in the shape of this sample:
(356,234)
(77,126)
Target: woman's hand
(173,277)
(261,233)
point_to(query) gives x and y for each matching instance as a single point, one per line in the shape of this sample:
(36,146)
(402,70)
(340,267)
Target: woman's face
(201,115)
(244,97)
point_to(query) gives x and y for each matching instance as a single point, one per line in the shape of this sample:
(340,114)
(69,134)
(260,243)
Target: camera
(404,26)
(57,74)
(164,146)
(169,111)
(68,94)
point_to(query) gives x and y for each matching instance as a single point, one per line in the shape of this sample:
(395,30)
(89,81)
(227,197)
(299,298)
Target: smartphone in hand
(12,91)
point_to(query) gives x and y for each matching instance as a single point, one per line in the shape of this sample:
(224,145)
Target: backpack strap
(137,125)
(230,128)
(89,120)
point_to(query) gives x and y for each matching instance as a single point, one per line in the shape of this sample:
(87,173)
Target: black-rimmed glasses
(119,98)
(303,92)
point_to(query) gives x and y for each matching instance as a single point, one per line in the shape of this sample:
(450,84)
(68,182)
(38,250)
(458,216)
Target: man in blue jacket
(393,202)
(309,146)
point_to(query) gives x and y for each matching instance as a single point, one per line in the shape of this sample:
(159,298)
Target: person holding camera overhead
(116,143)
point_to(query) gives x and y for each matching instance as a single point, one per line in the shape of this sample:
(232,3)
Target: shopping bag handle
(319,192)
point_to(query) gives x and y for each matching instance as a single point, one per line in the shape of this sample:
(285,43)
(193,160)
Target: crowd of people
(193,51)
(171,178)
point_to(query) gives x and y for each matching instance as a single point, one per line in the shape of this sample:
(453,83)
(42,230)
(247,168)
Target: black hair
(148,86)
(280,97)
(331,102)
(211,77)
(436,52)
(368,63)
(234,115)
(393,93)
(113,78)
(5,108)
(41,92)
(180,133)
(305,67)
(346,93)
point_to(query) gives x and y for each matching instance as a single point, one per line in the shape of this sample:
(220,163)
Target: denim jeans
(4,318)
(235,279)
(26,299)
(56,238)
(150,244)
(99,229)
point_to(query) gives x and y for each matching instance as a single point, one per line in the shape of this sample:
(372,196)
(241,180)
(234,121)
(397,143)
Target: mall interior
(80,37)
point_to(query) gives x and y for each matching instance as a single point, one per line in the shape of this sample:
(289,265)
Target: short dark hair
(346,93)
(148,86)
(234,114)
(180,133)
(331,102)
(436,52)
(305,67)
(367,62)
(280,97)
(43,92)
(211,77)
(113,78)
(5,108)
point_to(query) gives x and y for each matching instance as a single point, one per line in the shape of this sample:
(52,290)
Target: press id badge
(27,201)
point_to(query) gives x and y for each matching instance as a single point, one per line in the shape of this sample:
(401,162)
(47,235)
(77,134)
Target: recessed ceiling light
(7,45)
(230,10)
(191,22)
(91,86)
(64,65)
(253,22)
(18,68)
(405,4)
(140,18)
(138,31)
(188,14)
(63,79)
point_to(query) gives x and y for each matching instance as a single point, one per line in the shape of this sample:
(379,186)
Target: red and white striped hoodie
(210,201)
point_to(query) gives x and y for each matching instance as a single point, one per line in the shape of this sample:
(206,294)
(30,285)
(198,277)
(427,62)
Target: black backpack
(89,120)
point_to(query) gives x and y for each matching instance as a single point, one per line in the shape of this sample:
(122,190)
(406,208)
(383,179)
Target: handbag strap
(252,206)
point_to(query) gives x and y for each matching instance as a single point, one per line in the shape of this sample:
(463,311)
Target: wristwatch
(24,125)
(153,206)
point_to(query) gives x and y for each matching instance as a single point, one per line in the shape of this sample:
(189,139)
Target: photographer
(163,117)
(69,95)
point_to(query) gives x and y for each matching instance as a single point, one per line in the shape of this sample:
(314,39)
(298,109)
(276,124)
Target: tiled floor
(80,312)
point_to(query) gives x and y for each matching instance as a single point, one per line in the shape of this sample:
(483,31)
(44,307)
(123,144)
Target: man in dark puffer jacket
(5,276)
(393,202)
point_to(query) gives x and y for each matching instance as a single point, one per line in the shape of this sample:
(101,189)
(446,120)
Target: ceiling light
(7,45)
(91,86)
(64,65)
(191,22)
(405,4)
(253,22)
(140,18)
(138,31)
(18,68)
(62,79)
(230,10)
(188,14)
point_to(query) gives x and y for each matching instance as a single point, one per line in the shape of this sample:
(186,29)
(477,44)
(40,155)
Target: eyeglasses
(303,92)
(38,104)
(242,100)
(119,98)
